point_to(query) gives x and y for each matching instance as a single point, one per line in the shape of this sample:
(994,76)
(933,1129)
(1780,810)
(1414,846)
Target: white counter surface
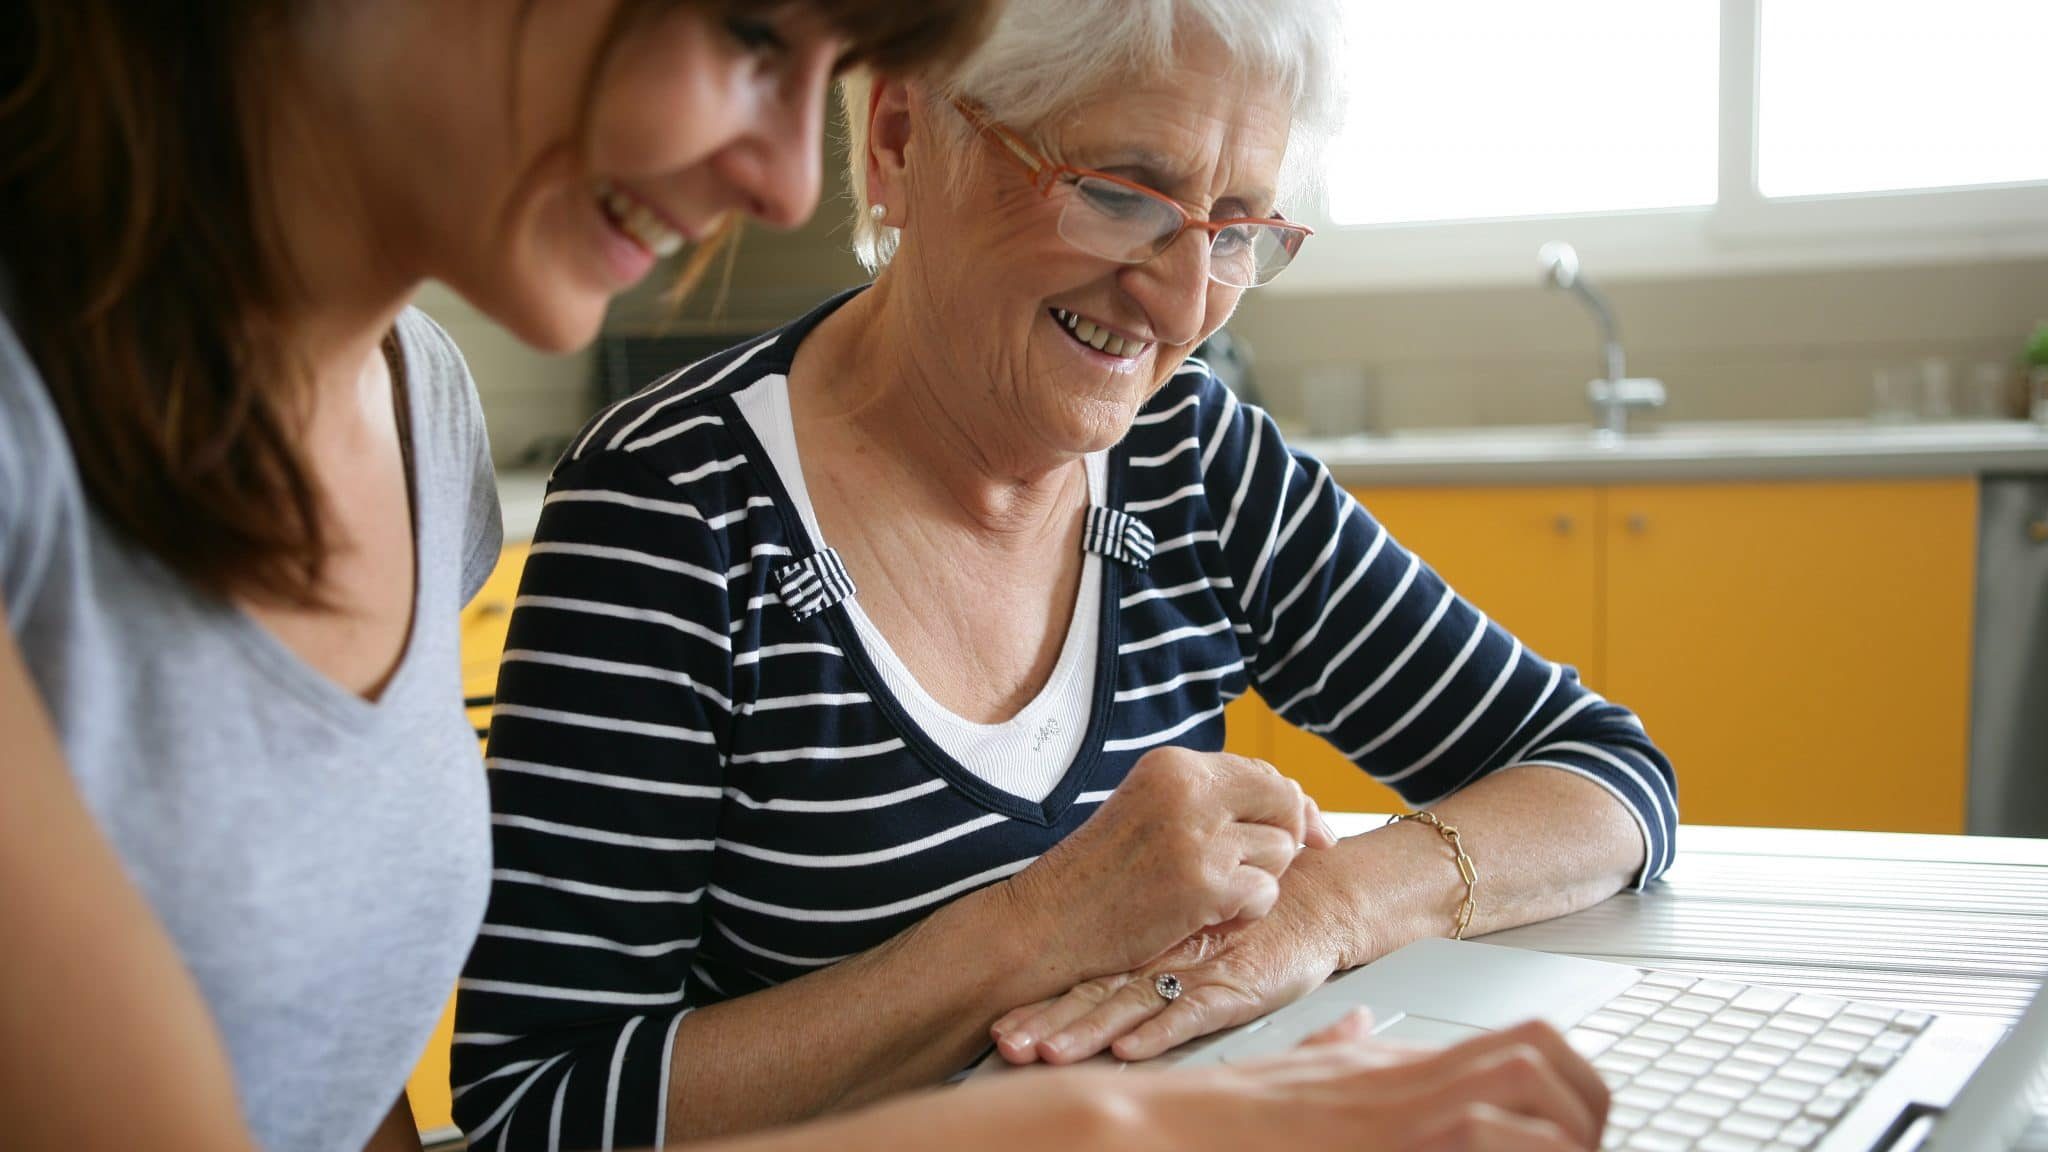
(1576,455)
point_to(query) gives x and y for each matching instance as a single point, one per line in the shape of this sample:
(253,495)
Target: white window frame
(1742,232)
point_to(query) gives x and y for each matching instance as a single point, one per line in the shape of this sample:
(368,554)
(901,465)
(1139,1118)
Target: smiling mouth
(639,223)
(1097,337)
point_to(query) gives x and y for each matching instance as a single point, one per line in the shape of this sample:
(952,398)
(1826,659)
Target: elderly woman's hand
(1227,977)
(1190,841)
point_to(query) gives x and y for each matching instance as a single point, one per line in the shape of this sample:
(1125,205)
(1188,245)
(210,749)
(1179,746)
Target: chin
(551,322)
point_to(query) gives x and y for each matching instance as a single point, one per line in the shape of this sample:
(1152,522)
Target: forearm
(905,1015)
(1544,843)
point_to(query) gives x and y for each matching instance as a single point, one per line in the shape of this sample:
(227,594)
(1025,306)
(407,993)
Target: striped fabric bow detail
(1117,535)
(813,584)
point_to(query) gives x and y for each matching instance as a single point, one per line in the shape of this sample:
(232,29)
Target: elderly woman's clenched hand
(1190,842)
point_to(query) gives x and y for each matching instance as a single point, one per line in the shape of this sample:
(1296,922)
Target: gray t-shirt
(321,862)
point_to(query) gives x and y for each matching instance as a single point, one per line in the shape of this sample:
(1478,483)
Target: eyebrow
(1159,173)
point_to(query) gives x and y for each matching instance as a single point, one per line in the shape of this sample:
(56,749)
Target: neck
(339,258)
(935,427)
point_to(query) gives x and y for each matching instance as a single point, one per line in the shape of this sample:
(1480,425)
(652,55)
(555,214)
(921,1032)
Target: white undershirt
(1025,755)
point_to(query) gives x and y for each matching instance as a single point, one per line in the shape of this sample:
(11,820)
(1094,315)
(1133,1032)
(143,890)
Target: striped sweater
(701,786)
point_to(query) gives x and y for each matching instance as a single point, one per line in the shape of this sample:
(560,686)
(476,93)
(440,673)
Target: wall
(1779,346)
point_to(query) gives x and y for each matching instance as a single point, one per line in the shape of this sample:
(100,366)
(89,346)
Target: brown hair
(139,259)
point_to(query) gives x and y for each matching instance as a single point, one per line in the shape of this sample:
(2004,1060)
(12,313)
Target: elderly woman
(865,693)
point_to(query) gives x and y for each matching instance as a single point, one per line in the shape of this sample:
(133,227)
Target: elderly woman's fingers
(1259,794)
(1260,846)
(1318,833)
(1024,1041)
(1101,1024)
(1198,1012)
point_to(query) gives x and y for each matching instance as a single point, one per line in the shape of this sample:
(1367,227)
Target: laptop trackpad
(1424,1032)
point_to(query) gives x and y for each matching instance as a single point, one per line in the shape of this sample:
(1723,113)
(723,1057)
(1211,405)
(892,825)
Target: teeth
(635,220)
(1099,338)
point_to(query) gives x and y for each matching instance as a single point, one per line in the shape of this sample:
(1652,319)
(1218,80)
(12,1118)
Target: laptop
(1709,1065)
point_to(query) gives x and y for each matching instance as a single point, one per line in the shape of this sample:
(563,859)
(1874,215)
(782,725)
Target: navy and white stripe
(1118,536)
(699,794)
(813,584)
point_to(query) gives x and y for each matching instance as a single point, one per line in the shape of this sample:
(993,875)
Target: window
(1468,109)
(1666,136)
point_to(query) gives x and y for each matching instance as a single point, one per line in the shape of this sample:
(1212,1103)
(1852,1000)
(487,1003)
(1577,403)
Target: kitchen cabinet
(1800,649)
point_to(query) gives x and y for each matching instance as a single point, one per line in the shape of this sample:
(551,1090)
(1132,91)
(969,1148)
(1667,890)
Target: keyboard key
(1818,1007)
(1630,1006)
(1856,1025)
(1615,1081)
(1721,1034)
(1798,1091)
(1757,1127)
(1651,1140)
(1658,993)
(1802,1133)
(1637,1046)
(1765,1000)
(1726,1087)
(1690,1067)
(1748,1070)
(1877,1012)
(1827,1108)
(1703,1049)
(1627,1119)
(1622,1063)
(1662,1033)
(1701,1104)
(1718,989)
(1683,1124)
(1726,1142)
(1804,1025)
(1833,1059)
(1680,1018)
(1807,1071)
(1847,1088)
(1694,1002)
(1834,1037)
(1894,1041)
(1737,1018)
(1634,1096)
(1610,1022)
(1665,1082)
(1763,1054)
(1668,980)
(1779,1038)
(1876,1059)
(1769,1107)
(1590,1042)
(1912,1021)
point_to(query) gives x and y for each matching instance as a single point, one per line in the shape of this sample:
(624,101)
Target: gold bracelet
(1466,871)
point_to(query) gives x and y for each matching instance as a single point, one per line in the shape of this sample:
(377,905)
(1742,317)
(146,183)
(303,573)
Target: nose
(778,171)
(1173,288)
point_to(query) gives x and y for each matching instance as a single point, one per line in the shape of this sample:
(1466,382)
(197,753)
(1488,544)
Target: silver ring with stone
(1167,985)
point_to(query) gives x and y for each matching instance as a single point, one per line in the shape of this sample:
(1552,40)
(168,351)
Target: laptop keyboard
(1722,1067)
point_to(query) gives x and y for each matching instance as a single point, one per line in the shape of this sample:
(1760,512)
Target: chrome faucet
(1614,394)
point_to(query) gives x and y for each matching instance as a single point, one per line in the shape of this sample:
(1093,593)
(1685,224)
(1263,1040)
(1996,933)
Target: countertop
(1572,454)
(1740,450)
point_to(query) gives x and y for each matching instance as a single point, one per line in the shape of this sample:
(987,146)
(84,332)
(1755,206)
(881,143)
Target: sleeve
(606,774)
(1353,638)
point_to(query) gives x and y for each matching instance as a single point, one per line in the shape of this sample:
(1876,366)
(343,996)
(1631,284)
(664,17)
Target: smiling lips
(1099,338)
(640,223)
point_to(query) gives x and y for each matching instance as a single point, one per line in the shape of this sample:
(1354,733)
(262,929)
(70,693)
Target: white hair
(1047,57)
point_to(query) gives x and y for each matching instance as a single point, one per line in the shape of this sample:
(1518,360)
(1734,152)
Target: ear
(889,133)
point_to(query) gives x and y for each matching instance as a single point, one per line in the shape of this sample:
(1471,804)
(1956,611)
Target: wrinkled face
(1071,344)
(584,168)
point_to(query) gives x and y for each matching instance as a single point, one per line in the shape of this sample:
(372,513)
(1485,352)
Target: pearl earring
(878,211)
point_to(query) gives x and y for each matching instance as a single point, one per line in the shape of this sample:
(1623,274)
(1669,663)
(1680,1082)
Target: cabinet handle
(1637,524)
(2037,531)
(1564,525)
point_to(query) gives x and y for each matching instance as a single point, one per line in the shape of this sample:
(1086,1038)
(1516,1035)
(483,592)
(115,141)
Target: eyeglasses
(1129,223)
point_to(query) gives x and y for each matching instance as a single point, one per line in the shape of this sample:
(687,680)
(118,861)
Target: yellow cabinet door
(1526,556)
(1801,650)
(484,622)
